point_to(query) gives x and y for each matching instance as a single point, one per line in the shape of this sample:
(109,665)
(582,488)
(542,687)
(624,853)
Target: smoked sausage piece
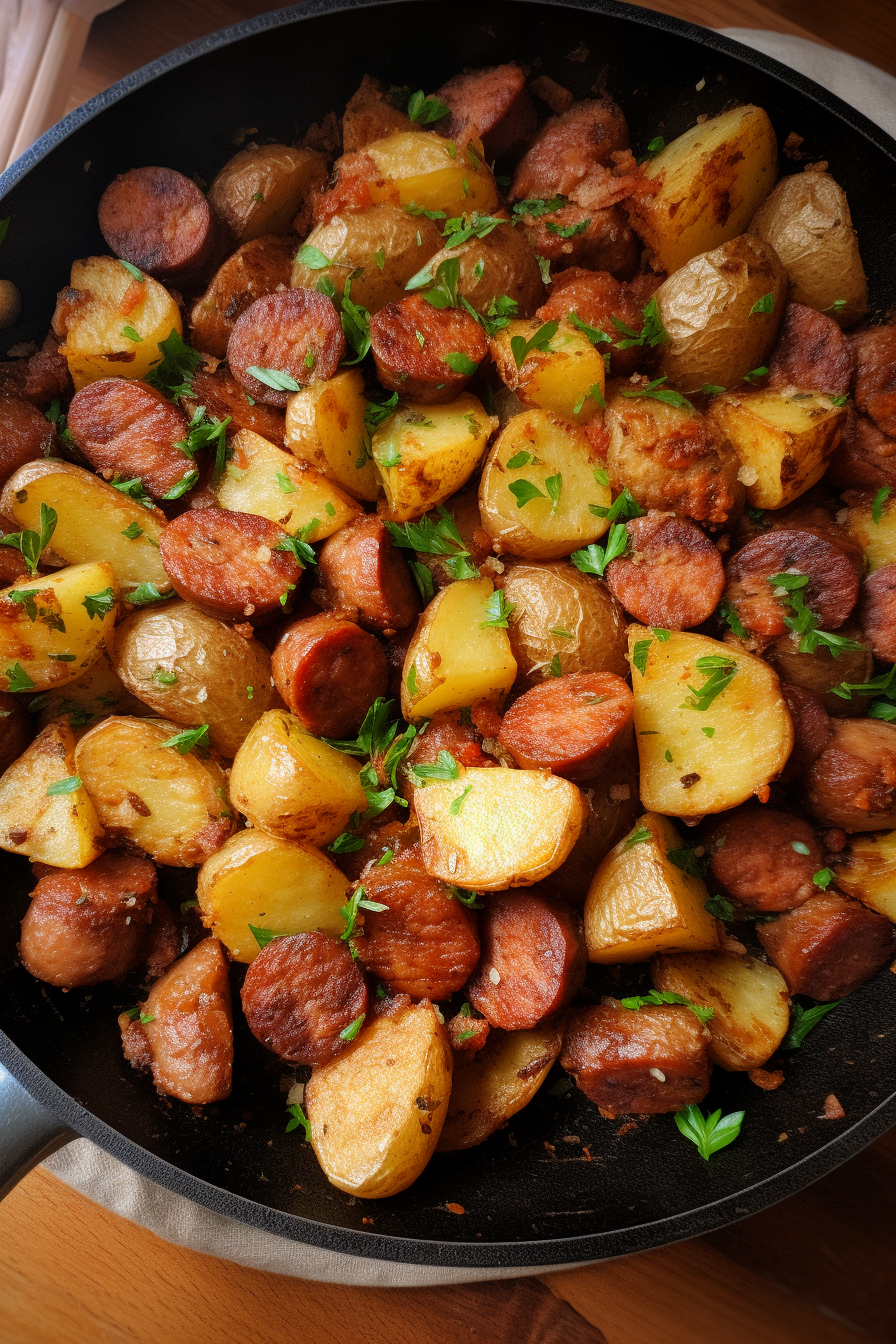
(258,267)
(90,924)
(673,575)
(25,434)
(812,729)
(427,354)
(568,723)
(364,575)
(126,427)
(865,458)
(370,116)
(533,959)
(819,671)
(300,993)
(764,858)
(222,396)
(567,149)
(227,564)
(42,378)
(834,575)
(877,612)
(875,383)
(383,840)
(829,946)
(12,562)
(186,1033)
(852,783)
(329,672)
(160,222)
(296,332)
(643,1063)
(447,731)
(490,105)
(811,353)
(600,240)
(596,297)
(15,723)
(425,943)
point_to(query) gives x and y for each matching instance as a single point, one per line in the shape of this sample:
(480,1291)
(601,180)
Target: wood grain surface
(817,1269)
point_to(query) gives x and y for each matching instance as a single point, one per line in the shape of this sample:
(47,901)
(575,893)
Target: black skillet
(530,1195)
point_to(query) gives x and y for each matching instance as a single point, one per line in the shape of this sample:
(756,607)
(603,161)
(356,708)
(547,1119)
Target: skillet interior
(525,1204)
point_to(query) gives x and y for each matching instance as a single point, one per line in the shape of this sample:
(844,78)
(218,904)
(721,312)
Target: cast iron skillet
(531,1196)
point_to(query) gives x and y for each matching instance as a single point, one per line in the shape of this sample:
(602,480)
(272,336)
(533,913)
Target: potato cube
(867,871)
(453,658)
(426,453)
(263,187)
(492,1084)
(263,479)
(55,626)
(557,377)
(424,168)
(749,1000)
(325,428)
(59,828)
(877,539)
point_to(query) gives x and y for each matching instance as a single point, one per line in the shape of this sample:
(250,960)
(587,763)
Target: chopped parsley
(100,604)
(719,671)
(459,801)
(540,340)
(30,544)
(17,679)
(70,785)
(445,768)
(802,1020)
(656,390)
(497,610)
(623,506)
(877,505)
(656,996)
(189,740)
(764,305)
(425,110)
(708,1133)
(144,593)
(275,378)
(436,537)
(594,559)
(173,374)
(313,258)
(458,362)
(642,834)
(297,1118)
(803,621)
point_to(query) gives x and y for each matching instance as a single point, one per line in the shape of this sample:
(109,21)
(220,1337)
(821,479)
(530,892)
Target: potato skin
(501,263)
(283,176)
(557,596)
(355,237)
(495,1082)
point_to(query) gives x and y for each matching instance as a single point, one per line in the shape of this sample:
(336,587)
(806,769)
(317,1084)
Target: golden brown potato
(492,1084)
(876,538)
(95,695)
(454,658)
(292,785)
(806,220)
(263,187)
(555,520)
(369,1130)
(502,264)
(263,479)
(15,729)
(259,881)
(352,240)
(425,453)
(708,308)
(172,806)
(192,669)
(256,268)
(713,178)
(749,1000)
(560,376)
(563,613)
(49,824)
(423,168)
(325,428)
(685,684)
(867,871)
(641,903)
(54,627)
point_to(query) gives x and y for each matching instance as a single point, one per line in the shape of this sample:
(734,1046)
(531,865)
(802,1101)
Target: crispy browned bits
(296,333)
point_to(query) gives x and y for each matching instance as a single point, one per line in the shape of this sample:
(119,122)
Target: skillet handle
(28,1132)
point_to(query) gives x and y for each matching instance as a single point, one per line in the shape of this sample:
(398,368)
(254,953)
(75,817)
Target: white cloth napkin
(109,1182)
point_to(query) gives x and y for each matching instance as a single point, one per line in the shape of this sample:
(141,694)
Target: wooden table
(818,1269)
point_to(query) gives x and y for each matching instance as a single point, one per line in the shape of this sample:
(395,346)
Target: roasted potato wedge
(95,313)
(500,265)
(563,613)
(717,334)
(784,442)
(559,376)
(641,903)
(325,428)
(490,843)
(423,168)
(538,507)
(713,178)
(455,657)
(94,696)
(806,220)
(263,187)
(876,538)
(47,823)
(426,453)
(259,881)
(258,267)
(867,871)
(172,806)
(492,1084)
(749,999)
(377,1110)
(292,785)
(265,480)
(54,627)
(192,669)
(351,242)
(685,684)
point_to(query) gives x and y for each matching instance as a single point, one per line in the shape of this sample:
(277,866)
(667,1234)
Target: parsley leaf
(145,593)
(461,229)
(436,537)
(279,381)
(350,1032)
(729,614)
(623,506)
(425,110)
(709,1133)
(459,801)
(358,901)
(656,996)
(594,334)
(189,739)
(17,679)
(423,579)
(802,1020)
(638,837)
(377,413)
(70,785)
(30,544)
(355,325)
(496,317)
(655,390)
(100,604)
(497,610)
(535,209)
(313,258)
(764,305)
(803,621)
(719,671)
(374,735)
(445,767)
(458,362)
(880,499)
(823,878)
(132,270)
(265,936)
(540,340)
(298,1117)
(567,230)
(720,907)
(524,492)
(298,547)
(594,559)
(652,332)
(174,373)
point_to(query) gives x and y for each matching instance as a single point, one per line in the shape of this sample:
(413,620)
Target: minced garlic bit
(495,976)
(296,1095)
(748,475)
(657,1074)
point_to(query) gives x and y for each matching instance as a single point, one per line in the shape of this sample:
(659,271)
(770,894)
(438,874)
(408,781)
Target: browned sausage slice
(812,729)
(853,782)
(596,298)
(185,1031)
(568,723)
(819,671)
(811,353)
(297,333)
(865,457)
(90,924)
(673,576)
(427,354)
(25,434)
(600,240)
(447,731)
(643,1063)
(829,946)
(764,858)
(256,268)
(425,942)
(533,959)
(126,427)
(875,387)
(877,612)
(329,671)
(489,105)
(300,993)
(41,378)
(228,564)
(222,396)
(834,575)
(159,221)
(363,574)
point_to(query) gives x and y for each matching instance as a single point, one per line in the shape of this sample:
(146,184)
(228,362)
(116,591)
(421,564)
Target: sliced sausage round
(673,575)
(834,574)
(425,943)
(596,298)
(427,354)
(764,858)
(329,672)
(25,434)
(296,333)
(228,565)
(490,105)
(877,612)
(811,353)
(126,427)
(300,993)
(222,396)
(829,946)
(258,267)
(533,959)
(364,575)
(567,724)
(875,384)
(820,671)
(812,729)
(160,221)
(447,731)
(853,782)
